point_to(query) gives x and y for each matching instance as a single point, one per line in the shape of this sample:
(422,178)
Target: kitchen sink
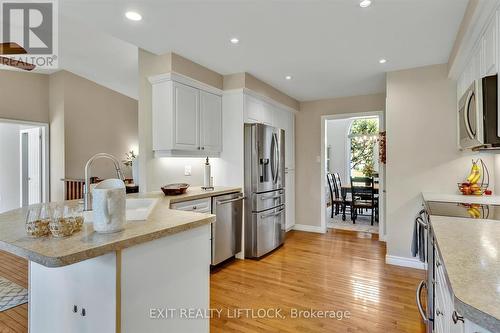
(137,209)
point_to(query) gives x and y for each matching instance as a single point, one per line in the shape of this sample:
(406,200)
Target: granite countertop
(470,249)
(86,244)
(460,198)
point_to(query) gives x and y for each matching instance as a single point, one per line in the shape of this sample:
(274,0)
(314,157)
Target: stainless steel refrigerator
(264,189)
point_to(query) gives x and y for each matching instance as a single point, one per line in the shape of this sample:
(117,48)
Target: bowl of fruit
(478,180)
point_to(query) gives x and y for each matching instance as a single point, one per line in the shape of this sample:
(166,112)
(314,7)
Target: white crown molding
(261,97)
(484,13)
(268,100)
(174,76)
(308,228)
(405,262)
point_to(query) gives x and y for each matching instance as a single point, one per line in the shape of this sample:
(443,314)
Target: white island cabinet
(149,287)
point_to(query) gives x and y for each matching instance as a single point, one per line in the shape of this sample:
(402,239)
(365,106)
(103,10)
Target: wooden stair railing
(73,188)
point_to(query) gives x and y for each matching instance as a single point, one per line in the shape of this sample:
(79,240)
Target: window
(363,138)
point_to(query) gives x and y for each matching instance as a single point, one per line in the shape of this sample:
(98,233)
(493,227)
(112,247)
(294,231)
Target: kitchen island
(147,277)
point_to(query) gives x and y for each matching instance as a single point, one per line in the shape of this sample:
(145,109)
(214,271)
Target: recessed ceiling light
(365,3)
(382,61)
(288,77)
(133,16)
(235,40)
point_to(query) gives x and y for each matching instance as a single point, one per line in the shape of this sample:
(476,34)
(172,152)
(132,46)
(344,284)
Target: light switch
(187,170)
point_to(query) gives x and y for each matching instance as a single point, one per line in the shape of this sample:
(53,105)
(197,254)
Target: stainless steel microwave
(478,114)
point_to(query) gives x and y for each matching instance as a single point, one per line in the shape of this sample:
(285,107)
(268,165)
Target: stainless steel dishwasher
(226,231)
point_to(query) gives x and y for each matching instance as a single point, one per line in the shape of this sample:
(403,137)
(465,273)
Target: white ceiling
(331,48)
(99,57)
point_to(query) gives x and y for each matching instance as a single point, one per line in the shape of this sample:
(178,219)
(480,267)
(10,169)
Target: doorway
(350,151)
(24,171)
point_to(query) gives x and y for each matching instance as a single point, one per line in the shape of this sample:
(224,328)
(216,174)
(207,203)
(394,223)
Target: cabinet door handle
(202,148)
(456,317)
(83,312)
(75,308)
(421,286)
(438,312)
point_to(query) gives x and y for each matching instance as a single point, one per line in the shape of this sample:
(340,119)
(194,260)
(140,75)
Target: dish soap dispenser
(207,177)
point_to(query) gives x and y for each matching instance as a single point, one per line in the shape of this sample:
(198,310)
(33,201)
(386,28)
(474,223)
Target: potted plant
(131,161)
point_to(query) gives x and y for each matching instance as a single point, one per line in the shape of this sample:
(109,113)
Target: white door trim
(381,115)
(45,153)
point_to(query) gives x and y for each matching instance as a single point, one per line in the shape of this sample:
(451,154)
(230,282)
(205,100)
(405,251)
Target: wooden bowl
(175,189)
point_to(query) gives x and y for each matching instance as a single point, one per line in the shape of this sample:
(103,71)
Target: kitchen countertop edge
(197,220)
(101,250)
(465,309)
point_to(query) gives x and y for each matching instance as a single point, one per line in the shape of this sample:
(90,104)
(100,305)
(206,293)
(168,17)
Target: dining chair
(346,195)
(363,194)
(335,197)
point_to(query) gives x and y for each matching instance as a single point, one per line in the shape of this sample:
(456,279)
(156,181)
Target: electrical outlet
(187,170)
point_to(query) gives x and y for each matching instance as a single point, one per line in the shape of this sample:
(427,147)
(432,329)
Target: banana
(475,173)
(475,179)
(474,212)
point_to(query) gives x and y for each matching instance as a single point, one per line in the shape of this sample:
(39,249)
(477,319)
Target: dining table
(345,189)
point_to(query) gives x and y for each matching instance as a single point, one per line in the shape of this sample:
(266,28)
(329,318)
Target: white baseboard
(308,228)
(405,262)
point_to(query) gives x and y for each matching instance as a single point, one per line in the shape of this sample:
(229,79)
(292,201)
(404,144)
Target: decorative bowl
(175,189)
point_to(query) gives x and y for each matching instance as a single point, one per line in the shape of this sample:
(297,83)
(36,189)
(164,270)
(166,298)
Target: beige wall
(24,96)
(234,81)
(57,132)
(96,120)
(422,153)
(193,70)
(308,149)
(246,80)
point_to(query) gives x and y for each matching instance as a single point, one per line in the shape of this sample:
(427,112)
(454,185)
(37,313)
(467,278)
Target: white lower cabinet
(444,302)
(446,318)
(289,199)
(76,298)
(129,287)
(200,205)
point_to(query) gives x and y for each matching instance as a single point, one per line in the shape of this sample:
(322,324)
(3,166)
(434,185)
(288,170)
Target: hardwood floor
(341,271)
(14,269)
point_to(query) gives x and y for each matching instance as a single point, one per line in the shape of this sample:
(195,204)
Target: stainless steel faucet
(87,199)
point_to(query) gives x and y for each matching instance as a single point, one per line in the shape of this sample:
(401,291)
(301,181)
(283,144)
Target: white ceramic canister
(108,205)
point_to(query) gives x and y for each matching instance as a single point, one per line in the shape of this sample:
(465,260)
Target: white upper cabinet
(186,117)
(489,50)
(253,109)
(475,66)
(211,121)
(257,111)
(484,58)
(186,120)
